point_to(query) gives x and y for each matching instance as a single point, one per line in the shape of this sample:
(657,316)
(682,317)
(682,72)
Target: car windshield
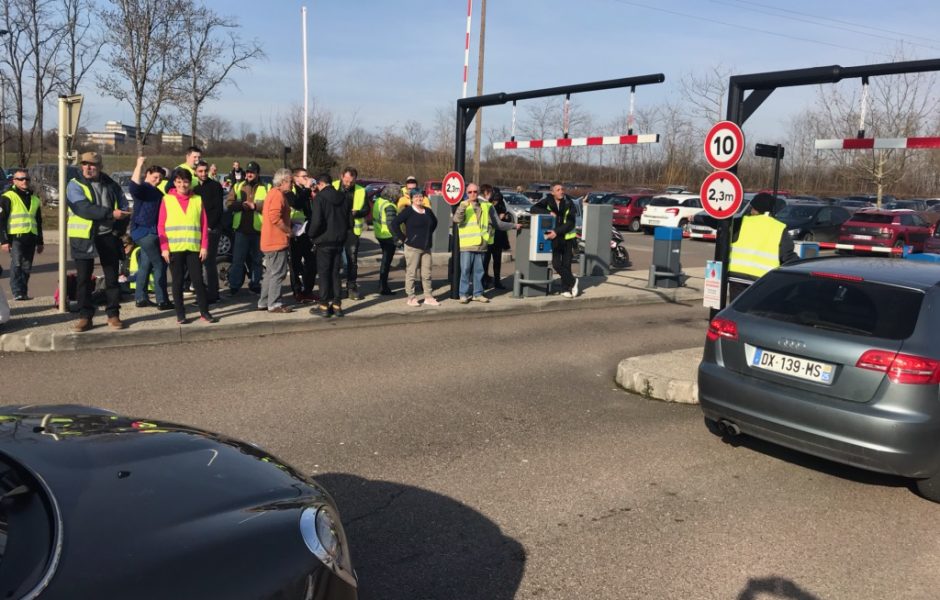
(516,199)
(797,213)
(857,307)
(862,217)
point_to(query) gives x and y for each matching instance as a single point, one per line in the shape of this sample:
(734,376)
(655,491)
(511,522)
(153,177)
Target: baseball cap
(253,167)
(90,157)
(411,179)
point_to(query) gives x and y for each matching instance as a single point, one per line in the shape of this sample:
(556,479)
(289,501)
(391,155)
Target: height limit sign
(721,194)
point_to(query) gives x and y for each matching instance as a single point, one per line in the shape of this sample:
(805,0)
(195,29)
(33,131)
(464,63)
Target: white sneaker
(566,295)
(574,290)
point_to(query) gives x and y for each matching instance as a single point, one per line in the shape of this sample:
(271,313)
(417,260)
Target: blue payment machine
(540,248)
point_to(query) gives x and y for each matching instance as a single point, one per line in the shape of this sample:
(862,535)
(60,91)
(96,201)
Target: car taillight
(901,368)
(644,210)
(838,276)
(724,328)
(672,211)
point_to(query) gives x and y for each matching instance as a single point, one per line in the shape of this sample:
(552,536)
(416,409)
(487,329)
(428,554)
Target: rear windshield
(872,218)
(857,307)
(664,202)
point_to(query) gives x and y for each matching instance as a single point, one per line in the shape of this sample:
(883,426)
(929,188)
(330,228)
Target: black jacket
(100,212)
(418,228)
(299,199)
(330,218)
(562,226)
(213,198)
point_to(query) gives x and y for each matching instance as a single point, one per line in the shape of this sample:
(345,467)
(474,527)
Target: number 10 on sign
(724,145)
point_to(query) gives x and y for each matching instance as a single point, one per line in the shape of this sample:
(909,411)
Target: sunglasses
(473,192)
(21,179)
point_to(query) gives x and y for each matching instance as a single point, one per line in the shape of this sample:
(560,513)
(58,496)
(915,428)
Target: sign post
(452,188)
(724,146)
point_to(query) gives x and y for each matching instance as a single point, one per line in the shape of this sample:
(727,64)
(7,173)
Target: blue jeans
(471,261)
(245,248)
(22,252)
(149,260)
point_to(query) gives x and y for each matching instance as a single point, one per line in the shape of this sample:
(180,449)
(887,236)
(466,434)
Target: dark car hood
(135,497)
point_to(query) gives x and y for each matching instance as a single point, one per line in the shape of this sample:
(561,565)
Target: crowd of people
(307,227)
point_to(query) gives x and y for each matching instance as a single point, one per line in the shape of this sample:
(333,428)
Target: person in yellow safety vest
(133,265)
(476,222)
(193,156)
(410,184)
(184,240)
(759,244)
(383,213)
(246,200)
(303,258)
(563,235)
(355,197)
(20,231)
(97,217)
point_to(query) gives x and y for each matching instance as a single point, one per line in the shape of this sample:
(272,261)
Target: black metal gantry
(762,85)
(467,109)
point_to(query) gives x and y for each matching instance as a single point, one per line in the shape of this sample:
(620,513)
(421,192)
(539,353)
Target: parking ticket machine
(533,258)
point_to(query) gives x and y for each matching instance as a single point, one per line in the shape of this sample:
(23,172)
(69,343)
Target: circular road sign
(721,194)
(724,145)
(453,187)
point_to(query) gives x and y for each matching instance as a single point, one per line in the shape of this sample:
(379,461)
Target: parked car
(596,197)
(852,205)
(432,188)
(44,180)
(518,206)
(813,221)
(885,228)
(628,208)
(100,505)
(676,189)
(673,210)
(917,205)
(835,357)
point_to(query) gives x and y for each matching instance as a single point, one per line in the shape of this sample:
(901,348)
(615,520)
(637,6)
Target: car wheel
(809,237)
(683,223)
(222,266)
(225,245)
(929,488)
(634,225)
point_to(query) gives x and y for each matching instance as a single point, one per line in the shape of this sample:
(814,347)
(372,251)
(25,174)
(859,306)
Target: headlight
(793,232)
(324,536)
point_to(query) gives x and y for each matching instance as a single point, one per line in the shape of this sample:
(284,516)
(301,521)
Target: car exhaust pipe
(728,428)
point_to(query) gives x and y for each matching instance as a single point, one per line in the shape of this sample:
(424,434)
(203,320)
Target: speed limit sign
(724,145)
(721,194)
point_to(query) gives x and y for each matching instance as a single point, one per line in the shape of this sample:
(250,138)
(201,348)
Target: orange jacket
(275,222)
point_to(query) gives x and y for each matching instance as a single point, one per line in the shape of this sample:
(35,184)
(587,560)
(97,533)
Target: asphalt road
(494,458)
(44,279)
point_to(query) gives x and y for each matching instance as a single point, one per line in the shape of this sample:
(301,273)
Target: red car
(887,228)
(628,207)
(432,188)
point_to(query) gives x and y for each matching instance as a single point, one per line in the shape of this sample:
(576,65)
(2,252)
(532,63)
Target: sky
(383,63)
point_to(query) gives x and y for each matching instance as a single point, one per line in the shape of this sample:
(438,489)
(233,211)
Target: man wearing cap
(20,231)
(759,244)
(410,184)
(246,200)
(97,218)
(355,197)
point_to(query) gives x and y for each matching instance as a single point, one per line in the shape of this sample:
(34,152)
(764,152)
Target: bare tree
(212,50)
(81,45)
(15,59)
(143,58)
(414,138)
(216,129)
(704,95)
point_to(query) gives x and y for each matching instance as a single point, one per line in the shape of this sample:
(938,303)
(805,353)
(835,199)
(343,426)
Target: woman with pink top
(184,241)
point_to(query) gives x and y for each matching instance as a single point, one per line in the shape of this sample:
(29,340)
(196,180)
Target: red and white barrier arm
(859,248)
(699,236)
(910,143)
(608,140)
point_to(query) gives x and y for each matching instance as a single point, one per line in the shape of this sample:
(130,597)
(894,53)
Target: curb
(101,337)
(670,376)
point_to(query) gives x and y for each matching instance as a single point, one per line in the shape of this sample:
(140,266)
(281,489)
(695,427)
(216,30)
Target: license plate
(653,221)
(794,366)
(861,237)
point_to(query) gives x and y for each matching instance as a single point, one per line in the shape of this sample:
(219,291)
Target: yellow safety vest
(473,232)
(183,229)
(79,227)
(260,192)
(296,215)
(757,249)
(22,220)
(132,269)
(359,200)
(380,222)
(162,185)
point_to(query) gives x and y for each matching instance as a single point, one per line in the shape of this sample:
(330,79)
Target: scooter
(619,257)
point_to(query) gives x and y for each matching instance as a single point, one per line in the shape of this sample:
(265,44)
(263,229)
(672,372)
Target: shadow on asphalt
(408,542)
(774,588)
